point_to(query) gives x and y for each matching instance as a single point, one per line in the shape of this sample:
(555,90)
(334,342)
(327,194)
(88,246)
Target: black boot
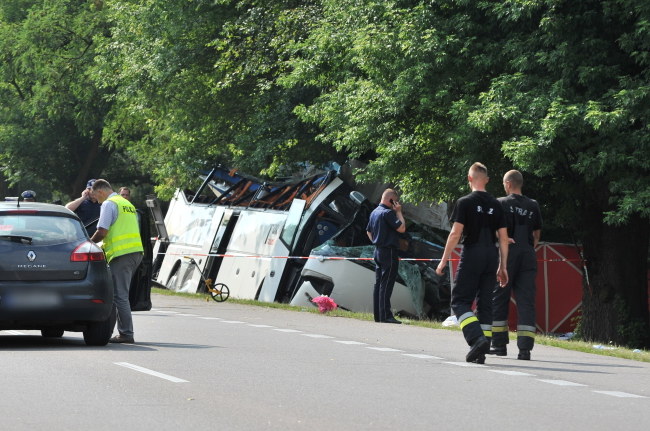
(499,351)
(480,347)
(524,355)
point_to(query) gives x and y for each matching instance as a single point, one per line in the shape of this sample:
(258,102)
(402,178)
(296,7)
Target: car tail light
(14,212)
(87,252)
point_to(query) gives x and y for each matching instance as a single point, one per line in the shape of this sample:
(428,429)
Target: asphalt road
(222,366)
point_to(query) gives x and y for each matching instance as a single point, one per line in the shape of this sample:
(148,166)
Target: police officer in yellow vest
(118,228)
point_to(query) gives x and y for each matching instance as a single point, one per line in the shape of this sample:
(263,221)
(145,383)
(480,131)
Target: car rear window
(37,229)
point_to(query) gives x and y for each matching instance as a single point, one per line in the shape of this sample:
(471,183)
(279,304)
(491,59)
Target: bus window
(293,220)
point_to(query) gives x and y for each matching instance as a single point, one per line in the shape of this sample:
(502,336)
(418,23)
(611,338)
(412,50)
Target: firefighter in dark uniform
(386,221)
(479,220)
(524,228)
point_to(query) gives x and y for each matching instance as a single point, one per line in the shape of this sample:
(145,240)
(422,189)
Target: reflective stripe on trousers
(525,337)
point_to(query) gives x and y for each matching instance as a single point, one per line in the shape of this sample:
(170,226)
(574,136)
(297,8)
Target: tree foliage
(197,79)
(51,113)
(574,97)
(390,92)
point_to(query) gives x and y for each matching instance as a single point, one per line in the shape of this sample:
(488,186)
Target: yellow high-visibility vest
(123,236)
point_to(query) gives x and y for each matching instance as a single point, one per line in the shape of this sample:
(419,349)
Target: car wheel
(52,333)
(98,333)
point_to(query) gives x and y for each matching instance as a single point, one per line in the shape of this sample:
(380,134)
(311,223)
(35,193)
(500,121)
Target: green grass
(577,345)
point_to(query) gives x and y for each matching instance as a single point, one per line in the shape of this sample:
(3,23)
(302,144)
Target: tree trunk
(94,161)
(615,298)
(3,185)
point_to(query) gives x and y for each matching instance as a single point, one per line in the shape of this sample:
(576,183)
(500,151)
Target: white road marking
(619,394)
(151,372)
(512,373)
(561,382)
(358,343)
(14,332)
(466,364)
(384,349)
(421,356)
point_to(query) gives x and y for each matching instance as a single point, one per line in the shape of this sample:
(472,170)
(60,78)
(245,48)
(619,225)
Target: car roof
(39,206)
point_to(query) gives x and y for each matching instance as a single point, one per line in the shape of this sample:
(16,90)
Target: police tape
(322,258)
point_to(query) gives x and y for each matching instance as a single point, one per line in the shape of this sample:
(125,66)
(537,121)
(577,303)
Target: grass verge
(577,345)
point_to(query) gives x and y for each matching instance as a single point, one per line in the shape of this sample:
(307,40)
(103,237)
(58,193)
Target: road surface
(222,366)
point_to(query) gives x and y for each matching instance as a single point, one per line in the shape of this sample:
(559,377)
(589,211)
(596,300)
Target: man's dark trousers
(522,270)
(386,261)
(475,279)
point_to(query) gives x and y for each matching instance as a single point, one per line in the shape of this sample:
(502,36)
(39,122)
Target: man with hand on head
(86,207)
(478,221)
(119,231)
(386,221)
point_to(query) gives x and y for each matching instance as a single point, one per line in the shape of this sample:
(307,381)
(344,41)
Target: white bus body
(262,249)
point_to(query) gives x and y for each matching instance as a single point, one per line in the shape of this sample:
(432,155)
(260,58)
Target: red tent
(559,288)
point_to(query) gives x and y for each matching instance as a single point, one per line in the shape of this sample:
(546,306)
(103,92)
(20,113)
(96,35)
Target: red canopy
(559,288)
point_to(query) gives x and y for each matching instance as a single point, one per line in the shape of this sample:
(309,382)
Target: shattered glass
(409,273)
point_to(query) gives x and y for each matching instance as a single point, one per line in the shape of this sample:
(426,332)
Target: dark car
(52,277)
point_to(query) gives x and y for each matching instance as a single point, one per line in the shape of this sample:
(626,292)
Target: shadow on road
(39,343)
(554,366)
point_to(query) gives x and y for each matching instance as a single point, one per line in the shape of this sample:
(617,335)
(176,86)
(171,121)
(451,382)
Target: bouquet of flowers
(325,303)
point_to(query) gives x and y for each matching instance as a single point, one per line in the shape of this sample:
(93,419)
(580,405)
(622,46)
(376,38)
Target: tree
(197,79)
(51,115)
(395,82)
(556,89)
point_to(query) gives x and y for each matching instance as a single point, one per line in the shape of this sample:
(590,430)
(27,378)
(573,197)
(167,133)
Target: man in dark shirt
(386,221)
(524,228)
(86,207)
(479,220)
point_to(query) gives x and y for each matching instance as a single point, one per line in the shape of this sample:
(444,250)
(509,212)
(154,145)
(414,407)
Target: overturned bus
(289,242)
